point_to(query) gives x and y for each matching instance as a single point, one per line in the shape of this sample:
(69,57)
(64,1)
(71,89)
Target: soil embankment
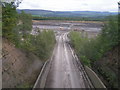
(20,68)
(107,67)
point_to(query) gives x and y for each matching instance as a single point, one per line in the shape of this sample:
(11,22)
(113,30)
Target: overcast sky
(71,5)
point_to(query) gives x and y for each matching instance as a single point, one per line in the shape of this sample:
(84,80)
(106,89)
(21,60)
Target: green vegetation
(25,23)
(44,44)
(80,44)
(41,45)
(9,20)
(18,27)
(90,50)
(23,28)
(35,17)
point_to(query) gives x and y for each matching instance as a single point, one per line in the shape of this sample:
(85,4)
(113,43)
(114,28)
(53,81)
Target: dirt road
(64,71)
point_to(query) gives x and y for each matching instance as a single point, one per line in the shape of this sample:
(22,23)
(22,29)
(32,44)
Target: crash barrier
(39,79)
(94,78)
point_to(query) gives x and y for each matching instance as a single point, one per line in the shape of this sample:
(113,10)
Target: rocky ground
(19,68)
(92,28)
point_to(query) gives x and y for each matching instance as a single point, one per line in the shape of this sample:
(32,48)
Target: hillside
(107,67)
(48,13)
(20,68)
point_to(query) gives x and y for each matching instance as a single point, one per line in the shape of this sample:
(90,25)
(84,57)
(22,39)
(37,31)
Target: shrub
(41,45)
(9,20)
(91,49)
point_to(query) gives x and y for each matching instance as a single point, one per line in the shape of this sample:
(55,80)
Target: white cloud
(71,5)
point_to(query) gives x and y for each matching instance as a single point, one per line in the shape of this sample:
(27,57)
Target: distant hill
(48,13)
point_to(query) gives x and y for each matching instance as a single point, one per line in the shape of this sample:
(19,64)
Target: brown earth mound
(19,68)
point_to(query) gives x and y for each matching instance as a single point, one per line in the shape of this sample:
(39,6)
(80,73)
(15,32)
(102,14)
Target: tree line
(68,18)
(17,28)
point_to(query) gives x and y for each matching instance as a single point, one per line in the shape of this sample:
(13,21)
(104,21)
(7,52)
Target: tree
(9,19)
(25,23)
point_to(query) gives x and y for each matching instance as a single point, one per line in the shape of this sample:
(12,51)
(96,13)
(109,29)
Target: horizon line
(66,10)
